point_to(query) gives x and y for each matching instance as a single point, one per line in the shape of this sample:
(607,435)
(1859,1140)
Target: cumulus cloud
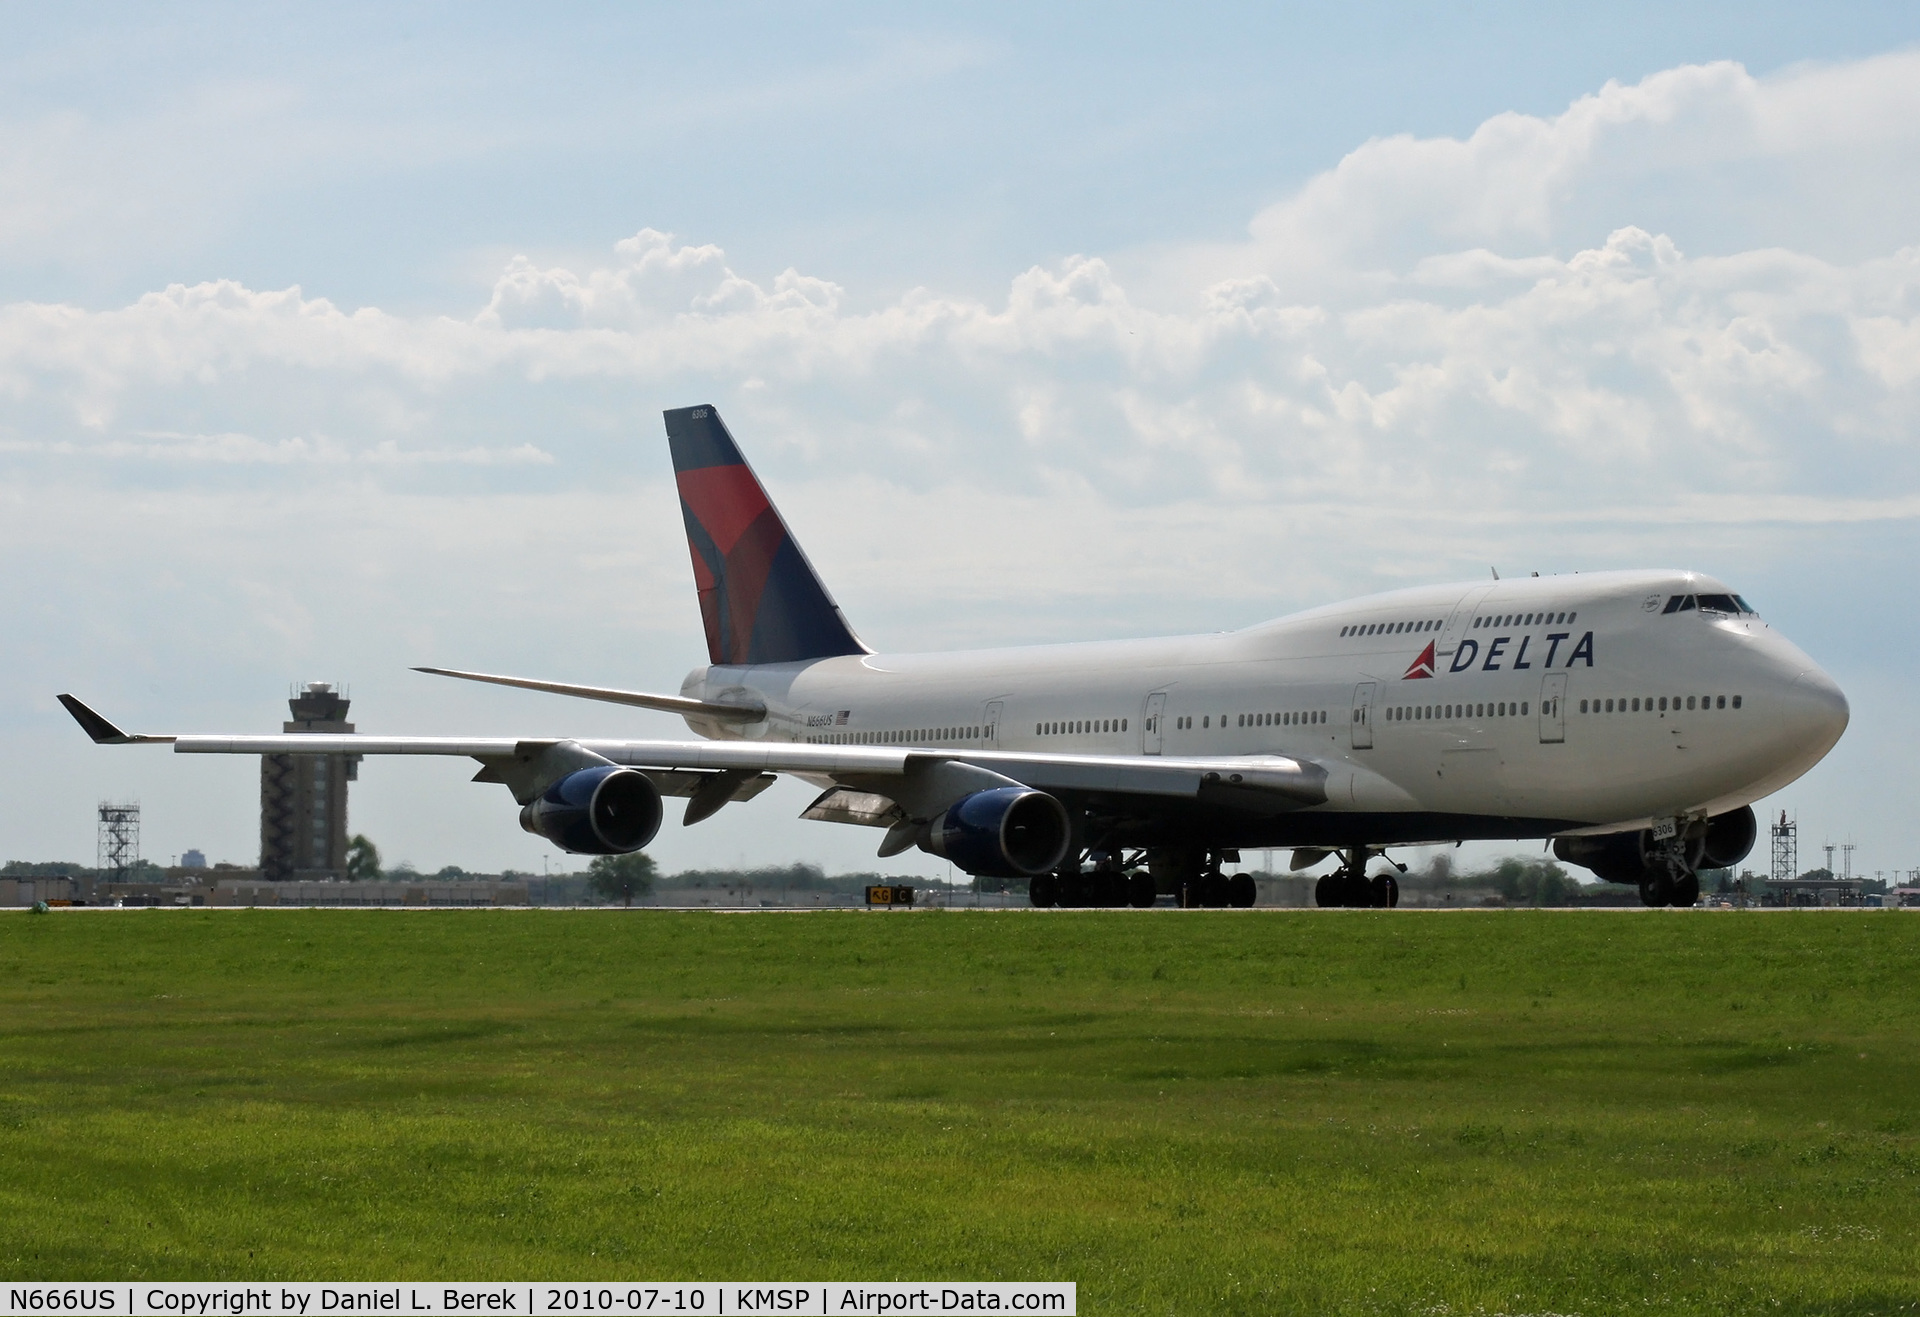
(1816,158)
(1626,375)
(246,450)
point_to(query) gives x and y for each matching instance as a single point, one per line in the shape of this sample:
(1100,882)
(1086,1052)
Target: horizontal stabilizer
(680,704)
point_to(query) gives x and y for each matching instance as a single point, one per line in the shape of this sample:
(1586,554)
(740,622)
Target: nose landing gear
(1672,872)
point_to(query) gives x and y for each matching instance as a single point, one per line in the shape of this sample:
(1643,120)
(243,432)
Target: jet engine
(1618,857)
(1003,832)
(1730,837)
(606,810)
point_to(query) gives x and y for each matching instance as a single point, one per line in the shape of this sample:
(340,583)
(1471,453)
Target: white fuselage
(1555,703)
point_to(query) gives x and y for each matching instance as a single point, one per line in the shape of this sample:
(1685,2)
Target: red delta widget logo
(1497,659)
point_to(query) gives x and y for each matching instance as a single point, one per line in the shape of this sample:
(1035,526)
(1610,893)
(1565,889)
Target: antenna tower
(1786,849)
(1846,859)
(119,847)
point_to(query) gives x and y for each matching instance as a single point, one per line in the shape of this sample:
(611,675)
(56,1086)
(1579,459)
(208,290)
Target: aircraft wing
(921,781)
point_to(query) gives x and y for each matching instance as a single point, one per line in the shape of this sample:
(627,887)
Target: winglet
(102,731)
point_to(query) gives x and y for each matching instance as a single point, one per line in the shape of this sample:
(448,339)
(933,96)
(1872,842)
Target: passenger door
(990,732)
(1152,735)
(1363,716)
(1553,711)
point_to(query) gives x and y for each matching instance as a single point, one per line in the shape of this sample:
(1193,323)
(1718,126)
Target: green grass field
(1295,1112)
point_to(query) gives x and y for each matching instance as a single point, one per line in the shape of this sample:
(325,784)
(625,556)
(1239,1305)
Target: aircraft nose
(1818,709)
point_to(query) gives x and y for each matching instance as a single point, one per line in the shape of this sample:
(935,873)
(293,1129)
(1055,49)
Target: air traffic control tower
(303,798)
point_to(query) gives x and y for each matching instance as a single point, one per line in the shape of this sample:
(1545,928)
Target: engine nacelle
(596,811)
(1618,857)
(1730,838)
(1004,832)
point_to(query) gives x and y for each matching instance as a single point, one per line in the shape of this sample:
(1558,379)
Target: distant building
(58,888)
(1818,887)
(192,859)
(303,798)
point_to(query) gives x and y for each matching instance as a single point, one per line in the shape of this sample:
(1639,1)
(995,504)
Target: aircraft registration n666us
(1632,716)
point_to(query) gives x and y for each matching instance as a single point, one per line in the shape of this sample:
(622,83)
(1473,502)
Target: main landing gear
(1115,879)
(1209,889)
(1192,877)
(1350,887)
(1109,884)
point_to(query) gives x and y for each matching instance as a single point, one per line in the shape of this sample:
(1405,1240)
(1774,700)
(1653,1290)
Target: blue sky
(392,154)
(331,344)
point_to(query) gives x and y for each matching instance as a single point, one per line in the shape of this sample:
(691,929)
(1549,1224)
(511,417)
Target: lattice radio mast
(1786,849)
(119,846)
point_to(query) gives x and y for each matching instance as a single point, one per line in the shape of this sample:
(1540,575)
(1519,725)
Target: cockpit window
(1708,603)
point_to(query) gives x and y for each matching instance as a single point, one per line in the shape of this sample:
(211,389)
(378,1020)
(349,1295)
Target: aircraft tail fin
(760,599)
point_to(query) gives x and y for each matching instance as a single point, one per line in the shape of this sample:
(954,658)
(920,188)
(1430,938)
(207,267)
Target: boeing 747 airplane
(1632,717)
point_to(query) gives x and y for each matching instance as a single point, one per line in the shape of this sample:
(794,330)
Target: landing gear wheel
(1213,891)
(1656,889)
(1242,891)
(1141,890)
(1385,890)
(1041,891)
(1685,892)
(1359,892)
(1326,892)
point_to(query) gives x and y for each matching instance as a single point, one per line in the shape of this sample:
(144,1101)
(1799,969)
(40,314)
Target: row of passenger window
(1387,629)
(1299,718)
(1646,704)
(1523,619)
(1415,713)
(914,736)
(1081,727)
